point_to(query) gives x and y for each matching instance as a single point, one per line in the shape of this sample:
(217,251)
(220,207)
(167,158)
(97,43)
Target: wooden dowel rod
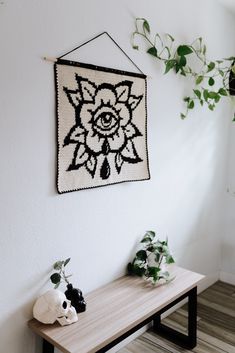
(49,58)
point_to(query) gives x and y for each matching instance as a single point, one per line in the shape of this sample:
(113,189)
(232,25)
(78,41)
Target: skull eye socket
(64,304)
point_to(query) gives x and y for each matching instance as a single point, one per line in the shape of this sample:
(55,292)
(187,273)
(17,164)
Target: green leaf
(206,94)
(211,81)
(186,99)
(190,104)
(136,47)
(199,79)
(168,52)
(177,67)
(67,261)
(150,233)
(151,248)
(157,257)
(184,50)
(222,92)
(217,98)
(58,265)
(197,93)
(210,66)
(153,271)
(182,72)
(141,255)
(182,61)
(165,248)
(169,65)
(212,94)
(171,38)
(211,106)
(170,260)
(146,26)
(201,102)
(164,242)
(55,278)
(152,51)
(138,271)
(230,58)
(148,237)
(221,72)
(183,116)
(233,117)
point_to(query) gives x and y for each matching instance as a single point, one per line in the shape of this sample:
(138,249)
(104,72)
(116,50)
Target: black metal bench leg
(192,318)
(186,341)
(47,347)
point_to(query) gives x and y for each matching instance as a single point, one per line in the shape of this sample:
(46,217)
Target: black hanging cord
(90,40)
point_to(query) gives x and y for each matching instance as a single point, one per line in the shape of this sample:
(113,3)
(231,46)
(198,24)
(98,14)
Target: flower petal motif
(87,89)
(123,90)
(119,162)
(86,114)
(80,157)
(129,153)
(124,113)
(105,95)
(74,97)
(131,131)
(117,141)
(94,142)
(91,165)
(134,101)
(75,135)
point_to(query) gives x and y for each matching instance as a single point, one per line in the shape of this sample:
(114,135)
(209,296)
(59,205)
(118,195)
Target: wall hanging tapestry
(102,126)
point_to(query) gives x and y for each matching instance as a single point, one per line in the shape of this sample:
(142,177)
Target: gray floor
(216,325)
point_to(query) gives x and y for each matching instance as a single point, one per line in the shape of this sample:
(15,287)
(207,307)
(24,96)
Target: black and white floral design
(103,125)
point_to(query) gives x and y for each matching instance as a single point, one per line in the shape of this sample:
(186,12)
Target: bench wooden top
(114,309)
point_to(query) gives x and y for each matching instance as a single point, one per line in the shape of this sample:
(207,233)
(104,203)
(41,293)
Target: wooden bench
(120,308)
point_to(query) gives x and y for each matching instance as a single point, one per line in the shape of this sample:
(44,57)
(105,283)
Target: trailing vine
(212,79)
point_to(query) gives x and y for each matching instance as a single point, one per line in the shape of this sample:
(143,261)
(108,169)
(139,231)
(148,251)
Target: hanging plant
(150,260)
(212,80)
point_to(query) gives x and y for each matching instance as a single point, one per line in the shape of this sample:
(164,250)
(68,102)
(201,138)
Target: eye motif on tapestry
(101,126)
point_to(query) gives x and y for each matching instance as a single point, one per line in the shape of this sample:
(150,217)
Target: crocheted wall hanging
(102,126)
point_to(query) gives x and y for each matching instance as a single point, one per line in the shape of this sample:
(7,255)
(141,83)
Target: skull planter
(53,306)
(76,298)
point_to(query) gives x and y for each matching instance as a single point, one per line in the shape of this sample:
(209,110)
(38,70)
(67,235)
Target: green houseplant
(60,276)
(212,80)
(149,260)
(73,294)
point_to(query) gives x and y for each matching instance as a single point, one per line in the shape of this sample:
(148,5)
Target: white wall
(228,238)
(100,228)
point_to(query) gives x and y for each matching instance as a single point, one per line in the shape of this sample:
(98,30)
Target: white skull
(53,305)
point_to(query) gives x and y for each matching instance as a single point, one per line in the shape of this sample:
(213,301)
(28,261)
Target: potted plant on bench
(149,262)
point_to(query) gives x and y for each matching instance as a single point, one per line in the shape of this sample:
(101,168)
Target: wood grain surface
(216,325)
(114,309)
